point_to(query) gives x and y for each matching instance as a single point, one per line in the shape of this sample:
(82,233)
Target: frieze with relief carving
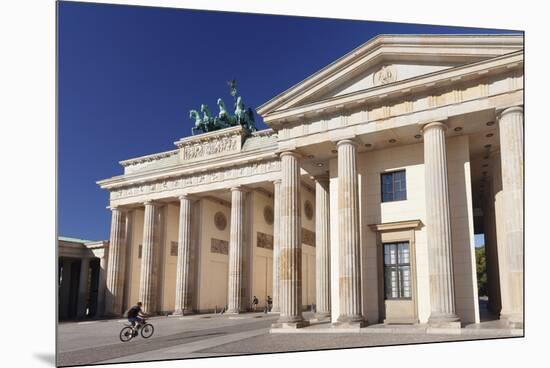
(203,149)
(264,240)
(219,246)
(181,182)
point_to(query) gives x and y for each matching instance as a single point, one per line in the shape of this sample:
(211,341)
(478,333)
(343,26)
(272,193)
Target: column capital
(501,112)
(185,196)
(352,141)
(433,124)
(150,202)
(277,181)
(240,188)
(118,208)
(296,154)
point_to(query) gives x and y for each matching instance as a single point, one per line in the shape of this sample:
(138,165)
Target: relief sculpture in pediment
(386,74)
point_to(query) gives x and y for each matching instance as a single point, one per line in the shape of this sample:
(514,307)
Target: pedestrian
(254,303)
(269,303)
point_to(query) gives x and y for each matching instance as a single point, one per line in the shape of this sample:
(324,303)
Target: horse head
(221,105)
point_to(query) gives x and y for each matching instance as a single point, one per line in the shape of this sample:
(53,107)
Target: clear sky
(129,75)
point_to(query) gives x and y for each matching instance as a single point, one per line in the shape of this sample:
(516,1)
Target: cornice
(399,88)
(479,46)
(148,158)
(266,154)
(395,226)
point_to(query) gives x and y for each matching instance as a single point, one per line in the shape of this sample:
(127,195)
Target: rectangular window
(394,186)
(397,270)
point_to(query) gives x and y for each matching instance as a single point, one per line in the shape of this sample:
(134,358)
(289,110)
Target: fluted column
(290,253)
(349,257)
(511,151)
(102,283)
(183,302)
(322,247)
(438,224)
(276,243)
(116,263)
(236,287)
(147,282)
(83,288)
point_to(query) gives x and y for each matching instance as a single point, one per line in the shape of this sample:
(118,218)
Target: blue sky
(129,75)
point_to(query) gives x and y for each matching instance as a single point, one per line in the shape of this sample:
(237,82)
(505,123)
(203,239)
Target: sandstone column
(322,247)
(349,260)
(101,286)
(438,224)
(235,290)
(116,263)
(147,282)
(83,288)
(290,253)
(183,285)
(276,242)
(511,151)
(500,218)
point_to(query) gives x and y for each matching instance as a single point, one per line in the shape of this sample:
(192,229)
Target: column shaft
(236,286)
(322,247)
(83,288)
(116,264)
(511,150)
(276,242)
(183,302)
(349,260)
(290,252)
(438,222)
(148,278)
(102,284)
(500,217)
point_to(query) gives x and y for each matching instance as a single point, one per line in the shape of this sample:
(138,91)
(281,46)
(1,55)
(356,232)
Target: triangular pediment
(390,59)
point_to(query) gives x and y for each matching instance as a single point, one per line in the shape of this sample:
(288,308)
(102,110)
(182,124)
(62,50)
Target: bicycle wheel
(126,334)
(147,330)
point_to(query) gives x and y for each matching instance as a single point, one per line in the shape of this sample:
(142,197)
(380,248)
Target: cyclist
(135,314)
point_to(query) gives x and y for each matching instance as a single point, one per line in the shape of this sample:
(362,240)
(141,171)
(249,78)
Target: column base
(449,323)
(321,317)
(290,322)
(290,325)
(350,324)
(181,313)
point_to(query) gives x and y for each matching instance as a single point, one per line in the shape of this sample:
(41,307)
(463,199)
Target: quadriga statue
(242,116)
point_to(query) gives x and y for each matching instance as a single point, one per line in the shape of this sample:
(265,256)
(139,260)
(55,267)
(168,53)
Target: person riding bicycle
(135,314)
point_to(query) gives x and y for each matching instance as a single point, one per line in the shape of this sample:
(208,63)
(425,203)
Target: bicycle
(128,332)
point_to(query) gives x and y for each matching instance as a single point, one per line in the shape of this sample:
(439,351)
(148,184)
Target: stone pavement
(214,335)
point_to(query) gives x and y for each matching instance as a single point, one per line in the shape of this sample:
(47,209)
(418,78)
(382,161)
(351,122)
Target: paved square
(214,335)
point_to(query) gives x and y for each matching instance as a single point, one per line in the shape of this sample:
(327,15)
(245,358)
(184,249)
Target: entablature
(481,88)
(399,92)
